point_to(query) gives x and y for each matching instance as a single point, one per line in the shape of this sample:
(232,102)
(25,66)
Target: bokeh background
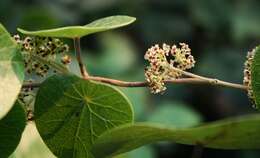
(220,32)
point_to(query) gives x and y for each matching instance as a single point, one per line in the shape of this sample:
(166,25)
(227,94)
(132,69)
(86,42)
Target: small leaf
(236,133)
(71,113)
(11,71)
(103,24)
(11,129)
(256,76)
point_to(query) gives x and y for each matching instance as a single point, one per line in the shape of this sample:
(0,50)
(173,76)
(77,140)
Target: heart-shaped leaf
(11,129)
(103,24)
(11,71)
(256,76)
(237,133)
(71,113)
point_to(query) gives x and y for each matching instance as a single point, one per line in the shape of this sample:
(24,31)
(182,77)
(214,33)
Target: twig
(82,67)
(145,84)
(211,81)
(31,85)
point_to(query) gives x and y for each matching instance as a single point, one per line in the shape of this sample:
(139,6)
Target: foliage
(77,117)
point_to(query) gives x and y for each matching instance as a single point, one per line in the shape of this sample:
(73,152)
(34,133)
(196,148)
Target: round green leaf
(11,129)
(236,133)
(11,71)
(103,24)
(71,113)
(256,76)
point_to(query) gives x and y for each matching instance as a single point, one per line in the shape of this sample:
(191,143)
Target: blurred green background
(220,32)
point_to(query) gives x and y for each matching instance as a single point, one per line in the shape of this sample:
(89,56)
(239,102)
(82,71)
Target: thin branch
(77,47)
(121,83)
(31,85)
(176,81)
(211,81)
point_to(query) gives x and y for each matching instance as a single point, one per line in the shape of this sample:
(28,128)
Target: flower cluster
(162,60)
(43,47)
(248,76)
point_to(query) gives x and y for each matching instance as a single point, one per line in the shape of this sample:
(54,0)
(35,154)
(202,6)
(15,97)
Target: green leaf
(103,24)
(71,113)
(175,114)
(11,129)
(236,133)
(256,76)
(11,71)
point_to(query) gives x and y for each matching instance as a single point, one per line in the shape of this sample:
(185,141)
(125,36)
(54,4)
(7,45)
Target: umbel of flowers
(248,75)
(163,60)
(46,48)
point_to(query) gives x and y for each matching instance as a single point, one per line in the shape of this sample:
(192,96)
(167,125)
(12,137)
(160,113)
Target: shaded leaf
(256,76)
(236,133)
(71,113)
(103,24)
(11,129)
(11,71)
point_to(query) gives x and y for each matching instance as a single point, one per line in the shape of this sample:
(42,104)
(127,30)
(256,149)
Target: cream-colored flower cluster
(43,47)
(248,74)
(162,60)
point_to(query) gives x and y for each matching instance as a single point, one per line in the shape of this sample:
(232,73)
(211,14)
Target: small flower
(248,76)
(66,59)
(162,60)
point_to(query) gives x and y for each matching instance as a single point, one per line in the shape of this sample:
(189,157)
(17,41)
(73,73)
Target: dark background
(219,32)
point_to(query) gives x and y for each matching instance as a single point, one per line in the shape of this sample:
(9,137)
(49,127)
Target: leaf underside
(237,133)
(11,71)
(103,24)
(71,113)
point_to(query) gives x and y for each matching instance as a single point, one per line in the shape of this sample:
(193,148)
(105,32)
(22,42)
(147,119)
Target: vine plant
(86,116)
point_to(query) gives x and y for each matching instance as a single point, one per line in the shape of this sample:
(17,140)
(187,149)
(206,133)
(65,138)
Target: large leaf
(103,24)
(256,76)
(11,129)
(236,133)
(71,113)
(11,71)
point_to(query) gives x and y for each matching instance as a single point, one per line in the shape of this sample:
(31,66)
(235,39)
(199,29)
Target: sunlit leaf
(103,24)
(11,71)
(71,113)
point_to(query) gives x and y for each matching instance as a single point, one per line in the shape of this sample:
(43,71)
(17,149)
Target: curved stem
(77,47)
